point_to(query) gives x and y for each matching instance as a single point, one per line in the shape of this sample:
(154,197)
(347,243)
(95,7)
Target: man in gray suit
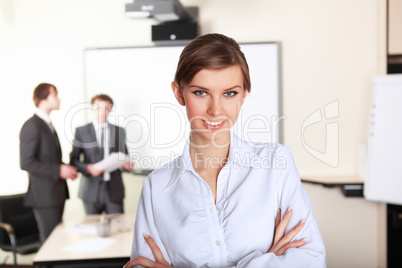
(40,155)
(99,190)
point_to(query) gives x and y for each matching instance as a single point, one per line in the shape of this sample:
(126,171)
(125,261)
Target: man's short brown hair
(41,92)
(101,97)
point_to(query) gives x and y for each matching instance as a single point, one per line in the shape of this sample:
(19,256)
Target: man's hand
(128,165)
(68,172)
(93,171)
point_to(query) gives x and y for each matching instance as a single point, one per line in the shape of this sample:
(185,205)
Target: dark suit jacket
(86,151)
(40,155)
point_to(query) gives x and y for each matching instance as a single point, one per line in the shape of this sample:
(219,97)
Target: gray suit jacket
(86,151)
(40,155)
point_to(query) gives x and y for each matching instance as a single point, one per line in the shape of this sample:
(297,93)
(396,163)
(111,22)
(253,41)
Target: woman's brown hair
(210,51)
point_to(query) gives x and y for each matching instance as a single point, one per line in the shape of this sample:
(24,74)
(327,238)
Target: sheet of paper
(112,162)
(90,245)
(82,229)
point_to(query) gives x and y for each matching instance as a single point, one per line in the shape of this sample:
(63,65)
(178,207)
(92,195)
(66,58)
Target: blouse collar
(241,153)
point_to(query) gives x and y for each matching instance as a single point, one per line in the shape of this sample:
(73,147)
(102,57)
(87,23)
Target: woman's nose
(215,108)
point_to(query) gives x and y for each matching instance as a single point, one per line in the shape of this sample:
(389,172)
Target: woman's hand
(281,241)
(145,262)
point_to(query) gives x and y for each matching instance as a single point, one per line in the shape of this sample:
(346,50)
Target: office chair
(18,229)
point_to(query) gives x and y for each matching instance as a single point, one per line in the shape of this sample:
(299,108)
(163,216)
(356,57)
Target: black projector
(174,31)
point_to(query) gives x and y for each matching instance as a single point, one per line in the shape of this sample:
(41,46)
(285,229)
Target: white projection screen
(139,78)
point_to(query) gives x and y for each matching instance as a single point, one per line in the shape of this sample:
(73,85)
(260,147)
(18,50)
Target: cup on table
(103,227)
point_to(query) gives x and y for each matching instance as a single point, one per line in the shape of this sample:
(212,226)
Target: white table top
(333,180)
(63,236)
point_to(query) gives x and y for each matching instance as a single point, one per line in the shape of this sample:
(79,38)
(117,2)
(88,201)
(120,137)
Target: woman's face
(213,100)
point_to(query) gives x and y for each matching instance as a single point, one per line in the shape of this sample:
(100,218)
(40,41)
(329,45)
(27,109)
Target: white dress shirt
(177,209)
(45,117)
(106,135)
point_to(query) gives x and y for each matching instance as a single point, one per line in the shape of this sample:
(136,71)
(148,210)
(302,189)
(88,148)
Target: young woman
(218,204)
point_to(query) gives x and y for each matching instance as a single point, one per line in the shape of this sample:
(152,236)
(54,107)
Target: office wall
(330,51)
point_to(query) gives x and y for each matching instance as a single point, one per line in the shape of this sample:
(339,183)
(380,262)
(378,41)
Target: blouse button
(217,242)
(218,209)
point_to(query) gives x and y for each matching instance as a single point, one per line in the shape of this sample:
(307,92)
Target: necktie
(102,143)
(55,134)
(106,175)
(51,127)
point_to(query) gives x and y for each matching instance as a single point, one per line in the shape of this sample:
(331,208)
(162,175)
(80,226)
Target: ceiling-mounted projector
(161,10)
(176,22)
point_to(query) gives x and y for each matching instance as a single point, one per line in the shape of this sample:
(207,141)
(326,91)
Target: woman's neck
(209,154)
(208,158)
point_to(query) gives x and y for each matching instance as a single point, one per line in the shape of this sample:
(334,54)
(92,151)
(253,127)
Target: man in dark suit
(40,155)
(99,190)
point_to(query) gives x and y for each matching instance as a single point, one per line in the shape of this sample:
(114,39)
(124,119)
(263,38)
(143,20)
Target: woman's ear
(244,96)
(178,93)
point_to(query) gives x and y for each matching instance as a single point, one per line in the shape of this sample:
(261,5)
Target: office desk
(53,253)
(352,186)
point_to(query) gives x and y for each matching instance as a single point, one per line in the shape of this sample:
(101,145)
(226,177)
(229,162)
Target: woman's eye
(200,93)
(230,93)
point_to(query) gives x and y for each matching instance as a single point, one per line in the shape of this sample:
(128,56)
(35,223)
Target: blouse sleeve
(145,223)
(290,193)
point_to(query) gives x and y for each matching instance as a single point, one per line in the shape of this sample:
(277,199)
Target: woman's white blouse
(177,209)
